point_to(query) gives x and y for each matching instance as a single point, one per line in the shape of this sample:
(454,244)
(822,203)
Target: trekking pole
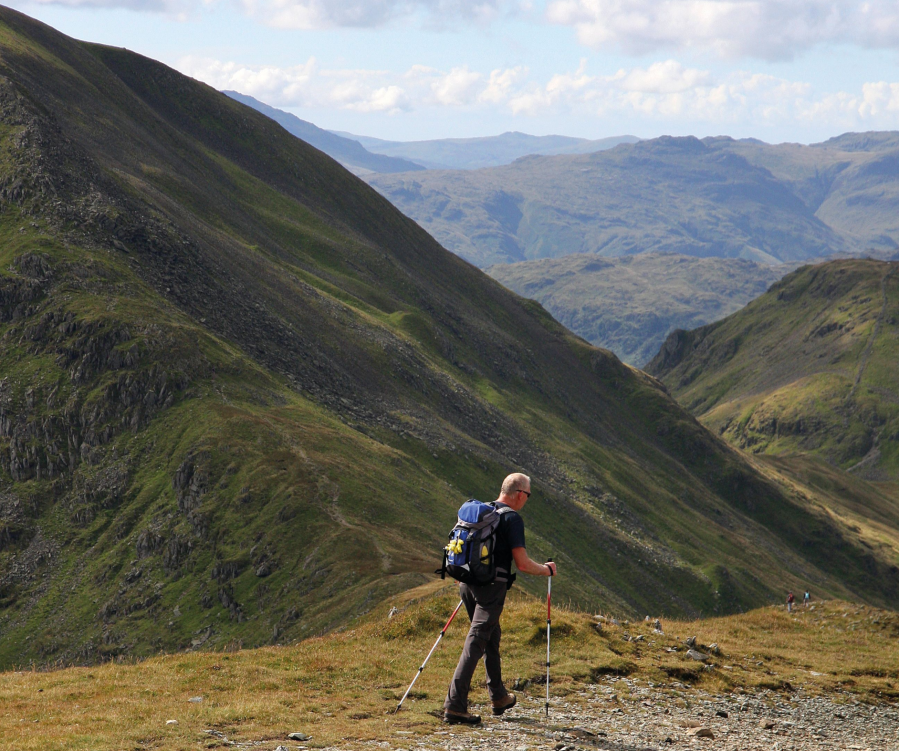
(549,588)
(428,657)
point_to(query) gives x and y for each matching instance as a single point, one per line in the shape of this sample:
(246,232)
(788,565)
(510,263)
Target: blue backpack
(468,557)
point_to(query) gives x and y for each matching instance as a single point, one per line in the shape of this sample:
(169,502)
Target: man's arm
(526,565)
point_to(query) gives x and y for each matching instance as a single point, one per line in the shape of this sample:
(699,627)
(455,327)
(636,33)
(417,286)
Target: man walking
(485,605)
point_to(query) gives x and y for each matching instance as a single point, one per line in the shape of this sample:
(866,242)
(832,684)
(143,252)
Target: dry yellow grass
(339,689)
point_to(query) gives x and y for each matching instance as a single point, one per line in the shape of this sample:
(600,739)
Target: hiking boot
(460,718)
(507,702)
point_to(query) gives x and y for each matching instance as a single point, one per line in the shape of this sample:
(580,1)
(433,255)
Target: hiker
(806,598)
(484,604)
(790,600)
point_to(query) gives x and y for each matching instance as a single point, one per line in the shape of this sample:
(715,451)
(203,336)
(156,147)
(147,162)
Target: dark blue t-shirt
(509,535)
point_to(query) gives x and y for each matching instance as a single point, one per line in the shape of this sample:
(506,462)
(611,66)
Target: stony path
(655,718)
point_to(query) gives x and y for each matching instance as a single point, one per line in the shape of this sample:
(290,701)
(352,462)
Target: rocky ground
(655,718)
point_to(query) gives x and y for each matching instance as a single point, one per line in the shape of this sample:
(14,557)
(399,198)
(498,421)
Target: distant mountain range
(242,396)
(712,197)
(349,152)
(365,155)
(810,366)
(630,304)
(489,151)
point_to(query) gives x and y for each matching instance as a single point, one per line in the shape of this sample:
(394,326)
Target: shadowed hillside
(242,396)
(809,366)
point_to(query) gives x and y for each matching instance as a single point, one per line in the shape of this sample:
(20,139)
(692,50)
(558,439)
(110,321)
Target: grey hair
(515,482)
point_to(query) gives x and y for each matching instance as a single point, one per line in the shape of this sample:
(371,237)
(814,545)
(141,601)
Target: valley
(630,304)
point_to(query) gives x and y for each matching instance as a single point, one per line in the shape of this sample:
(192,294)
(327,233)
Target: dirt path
(619,714)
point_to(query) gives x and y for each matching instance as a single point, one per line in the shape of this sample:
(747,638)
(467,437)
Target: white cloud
(563,83)
(500,83)
(383,99)
(154,6)
(770,29)
(320,14)
(878,98)
(665,92)
(295,86)
(666,77)
(324,14)
(456,87)
(531,101)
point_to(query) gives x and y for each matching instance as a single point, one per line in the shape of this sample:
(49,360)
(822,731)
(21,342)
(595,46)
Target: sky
(778,70)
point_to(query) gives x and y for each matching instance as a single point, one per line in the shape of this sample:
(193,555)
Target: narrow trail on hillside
(334,491)
(337,515)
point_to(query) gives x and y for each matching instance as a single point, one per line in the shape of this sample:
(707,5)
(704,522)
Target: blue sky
(778,70)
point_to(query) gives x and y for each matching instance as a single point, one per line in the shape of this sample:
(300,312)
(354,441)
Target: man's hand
(528,565)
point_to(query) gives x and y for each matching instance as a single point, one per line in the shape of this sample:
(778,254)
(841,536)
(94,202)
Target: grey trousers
(484,606)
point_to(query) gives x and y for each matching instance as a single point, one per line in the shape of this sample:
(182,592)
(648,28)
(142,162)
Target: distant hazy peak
(872,140)
(485,151)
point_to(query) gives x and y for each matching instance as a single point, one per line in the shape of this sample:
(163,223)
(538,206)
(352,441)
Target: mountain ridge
(711,197)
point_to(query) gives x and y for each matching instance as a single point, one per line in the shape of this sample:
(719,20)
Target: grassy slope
(629,305)
(242,395)
(322,688)
(809,366)
(715,197)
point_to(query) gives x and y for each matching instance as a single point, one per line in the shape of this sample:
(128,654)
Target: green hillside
(809,366)
(242,396)
(630,304)
(715,197)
